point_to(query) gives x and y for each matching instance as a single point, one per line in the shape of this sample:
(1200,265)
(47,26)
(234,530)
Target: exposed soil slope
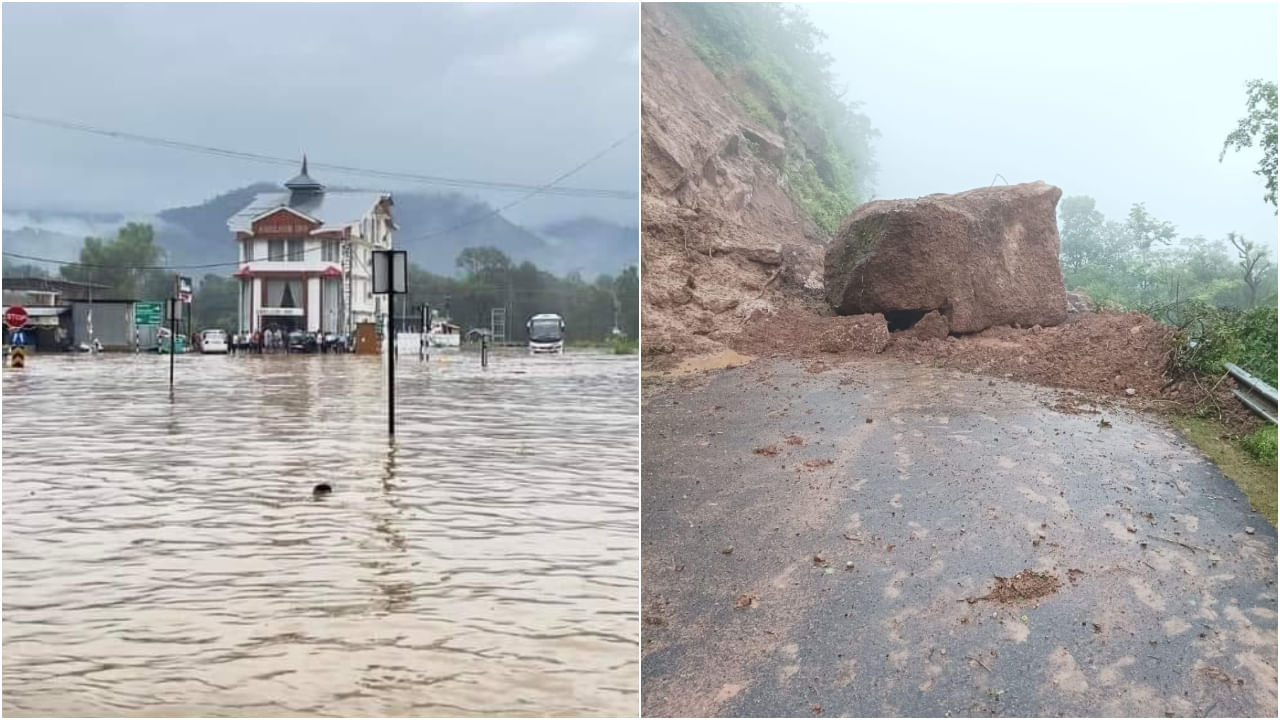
(721,238)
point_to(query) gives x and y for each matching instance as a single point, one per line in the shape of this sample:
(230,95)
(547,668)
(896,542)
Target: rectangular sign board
(147,313)
(390,272)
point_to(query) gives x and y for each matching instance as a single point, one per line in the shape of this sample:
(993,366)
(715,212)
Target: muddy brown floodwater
(168,558)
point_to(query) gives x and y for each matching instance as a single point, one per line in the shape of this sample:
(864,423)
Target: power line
(277,160)
(208,266)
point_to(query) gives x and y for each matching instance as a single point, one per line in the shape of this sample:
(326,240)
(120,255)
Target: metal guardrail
(1257,395)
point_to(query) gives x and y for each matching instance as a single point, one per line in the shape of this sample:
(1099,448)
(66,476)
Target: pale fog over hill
(198,234)
(457,92)
(1125,103)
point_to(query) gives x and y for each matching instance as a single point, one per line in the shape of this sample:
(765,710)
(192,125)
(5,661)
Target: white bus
(546,333)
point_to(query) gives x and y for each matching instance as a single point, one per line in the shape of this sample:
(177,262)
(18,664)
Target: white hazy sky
(518,93)
(1123,102)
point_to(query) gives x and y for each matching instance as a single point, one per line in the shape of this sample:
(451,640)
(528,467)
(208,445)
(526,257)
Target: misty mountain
(590,245)
(433,227)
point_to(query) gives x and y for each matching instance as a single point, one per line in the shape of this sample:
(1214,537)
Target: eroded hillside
(723,242)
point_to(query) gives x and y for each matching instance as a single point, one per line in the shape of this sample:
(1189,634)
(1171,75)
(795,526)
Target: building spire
(302,183)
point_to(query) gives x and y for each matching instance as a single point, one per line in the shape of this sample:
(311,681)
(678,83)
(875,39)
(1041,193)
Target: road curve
(816,540)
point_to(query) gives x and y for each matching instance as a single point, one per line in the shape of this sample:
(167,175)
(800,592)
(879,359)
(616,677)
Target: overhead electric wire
(486,216)
(438,180)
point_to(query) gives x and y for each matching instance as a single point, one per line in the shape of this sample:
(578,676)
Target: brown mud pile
(1025,586)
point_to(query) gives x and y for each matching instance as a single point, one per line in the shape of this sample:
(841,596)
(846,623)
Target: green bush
(1261,445)
(1212,336)
(768,55)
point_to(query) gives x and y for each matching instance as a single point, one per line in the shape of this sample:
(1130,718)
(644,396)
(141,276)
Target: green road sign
(147,313)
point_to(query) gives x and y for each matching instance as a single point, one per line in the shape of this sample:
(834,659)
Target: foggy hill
(433,227)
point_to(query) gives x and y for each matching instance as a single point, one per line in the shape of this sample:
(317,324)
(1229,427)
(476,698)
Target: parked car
(213,341)
(302,342)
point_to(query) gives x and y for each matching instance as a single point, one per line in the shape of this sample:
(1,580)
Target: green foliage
(1140,264)
(1261,445)
(1224,309)
(14,268)
(492,280)
(215,303)
(1258,126)
(121,263)
(768,55)
(1212,336)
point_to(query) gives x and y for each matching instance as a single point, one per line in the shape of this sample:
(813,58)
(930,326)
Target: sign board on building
(15,318)
(280,311)
(147,313)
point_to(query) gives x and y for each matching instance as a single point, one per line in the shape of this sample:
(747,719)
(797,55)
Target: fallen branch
(984,667)
(1192,548)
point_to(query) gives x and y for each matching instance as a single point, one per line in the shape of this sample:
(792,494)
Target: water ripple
(166,557)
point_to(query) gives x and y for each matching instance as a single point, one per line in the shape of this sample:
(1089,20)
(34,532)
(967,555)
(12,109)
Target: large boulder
(981,258)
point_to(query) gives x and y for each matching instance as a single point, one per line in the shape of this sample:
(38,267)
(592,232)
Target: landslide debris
(720,237)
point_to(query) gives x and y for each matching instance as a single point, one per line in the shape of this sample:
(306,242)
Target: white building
(306,256)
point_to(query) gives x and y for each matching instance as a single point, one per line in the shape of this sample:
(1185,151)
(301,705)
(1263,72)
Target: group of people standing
(276,340)
(271,340)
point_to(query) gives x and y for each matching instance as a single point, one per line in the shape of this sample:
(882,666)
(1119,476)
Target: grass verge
(1256,478)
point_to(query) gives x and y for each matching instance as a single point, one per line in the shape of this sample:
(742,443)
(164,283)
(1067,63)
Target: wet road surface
(831,574)
(168,559)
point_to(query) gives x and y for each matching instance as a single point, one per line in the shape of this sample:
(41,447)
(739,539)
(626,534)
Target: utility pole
(390,278)
(173,336)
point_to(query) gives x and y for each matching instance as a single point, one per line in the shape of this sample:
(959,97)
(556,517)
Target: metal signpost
(173,337)
(16,319)
(182,294)
(426,328)
(391,278)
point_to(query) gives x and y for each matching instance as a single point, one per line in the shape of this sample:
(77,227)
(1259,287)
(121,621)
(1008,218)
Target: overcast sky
(518,93)
(1125,103)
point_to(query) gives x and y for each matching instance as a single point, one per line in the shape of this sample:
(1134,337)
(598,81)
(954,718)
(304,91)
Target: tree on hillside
(215,304)
(483,262)
(1258,126)
(125,263)
(1254,265)
(627,289)
(14,269)
(1145,231)
(1085,236)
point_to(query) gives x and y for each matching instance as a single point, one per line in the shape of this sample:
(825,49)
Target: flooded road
(168,558)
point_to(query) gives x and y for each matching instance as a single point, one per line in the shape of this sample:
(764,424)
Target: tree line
(488,279)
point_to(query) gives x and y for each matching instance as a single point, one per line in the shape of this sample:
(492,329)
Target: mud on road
(852,568)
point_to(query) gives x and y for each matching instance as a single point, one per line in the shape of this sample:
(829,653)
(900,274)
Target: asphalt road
(834,577)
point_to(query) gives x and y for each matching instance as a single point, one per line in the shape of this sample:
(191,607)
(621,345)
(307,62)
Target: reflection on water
(169,558)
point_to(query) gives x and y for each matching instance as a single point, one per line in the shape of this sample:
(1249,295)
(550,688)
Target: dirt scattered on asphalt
(769,451)
(1026,585)
(746,601)
(794,440)
(655,612)
(812,464)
